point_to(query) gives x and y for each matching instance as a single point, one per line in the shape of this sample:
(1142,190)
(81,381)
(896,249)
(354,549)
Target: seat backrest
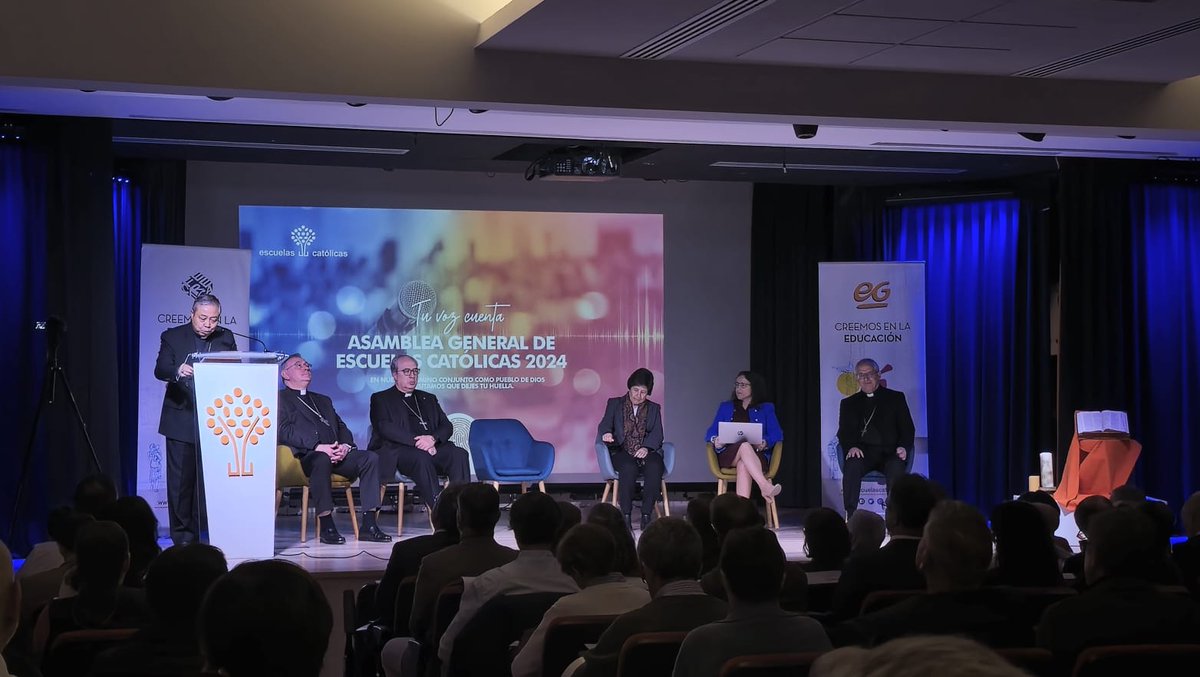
(567,636)
(649,653)
(505,441)
(882,599)
(1138,659)
(770,665)
(72,652)
(1035,661)
(445,608)
(481,647)
(288,472)
(403,605)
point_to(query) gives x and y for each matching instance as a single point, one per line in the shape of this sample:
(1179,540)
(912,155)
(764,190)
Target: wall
(707,253)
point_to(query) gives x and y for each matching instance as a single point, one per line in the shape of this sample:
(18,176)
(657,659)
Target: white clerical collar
(303,392)
(870,394)
(408,394)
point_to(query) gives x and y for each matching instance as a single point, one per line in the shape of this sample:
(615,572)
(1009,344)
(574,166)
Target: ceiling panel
(822,52)
(947,10)
(866,29)
(1038,39)
(759,28)
(1173,59)
(607,28)
(947,59)
(1110,18)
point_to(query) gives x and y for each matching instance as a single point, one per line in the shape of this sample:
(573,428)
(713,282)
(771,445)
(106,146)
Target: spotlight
(804,131)
(1035,137)
(355,104)
(477,111)
(1126,136)
(220,98)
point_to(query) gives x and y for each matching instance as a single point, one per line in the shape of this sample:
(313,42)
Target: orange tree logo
(238,421)
(868,295)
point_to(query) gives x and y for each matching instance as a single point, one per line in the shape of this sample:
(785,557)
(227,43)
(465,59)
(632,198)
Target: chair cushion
(518,472)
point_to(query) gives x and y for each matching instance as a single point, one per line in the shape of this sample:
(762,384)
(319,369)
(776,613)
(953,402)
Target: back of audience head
(910,501)
(93,493)
(478,509)
(670,550)
(571,515)
(1190,515)
(700,517)
(265,619)
(916,657)
(63,526)
(1163,520)
(1128,494)
(1046,505)
(1025,554)
(826,539)
(10,597)
(137,518)
(956,549)
(1122,543)
(867,531)
(609,516)
(1087,510)
(534,519)
(177,582)
(445,510)
(730,511)
(101,557)
(587,551)
(752,565)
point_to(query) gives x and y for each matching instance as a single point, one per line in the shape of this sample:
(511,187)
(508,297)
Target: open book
(1107,423)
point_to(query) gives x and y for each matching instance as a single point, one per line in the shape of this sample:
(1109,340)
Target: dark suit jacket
(1187,558)
(178,418)
(892,419)
(404,562)
(892,567)
(390,419)
(302,430)
(469,557)
(991,617)
(669,613)
(612,423)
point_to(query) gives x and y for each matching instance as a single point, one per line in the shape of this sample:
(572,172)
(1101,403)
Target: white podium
(236,407)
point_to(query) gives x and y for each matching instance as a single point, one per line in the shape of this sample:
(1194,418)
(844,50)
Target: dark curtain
(1166,319)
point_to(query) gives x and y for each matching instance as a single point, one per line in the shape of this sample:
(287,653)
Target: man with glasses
(875,430)
(320,439)
(411,433)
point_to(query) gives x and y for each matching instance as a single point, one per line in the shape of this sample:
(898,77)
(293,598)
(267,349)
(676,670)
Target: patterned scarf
(635,426)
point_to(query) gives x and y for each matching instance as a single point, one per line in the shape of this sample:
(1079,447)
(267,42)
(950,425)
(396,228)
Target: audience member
(10,604)
(953,555)
(1128,494)
(1187,554)
(534,518)
(826,540)
(1162,569)
(137,518)
(265,619)
(1121,605)
(752,564)
(867,532)
(93,493)
(1087,509)
(1025,555)
(700,517)
(671,554)
(588,554)
(101,602)
(571,515)
(916,657)
(894,566)
(175,587)
(407,554)
(729,512)
(1052,514)
(37,590)
(609,516)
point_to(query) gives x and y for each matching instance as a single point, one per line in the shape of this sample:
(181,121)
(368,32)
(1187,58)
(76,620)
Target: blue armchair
(505,452)
(609,474)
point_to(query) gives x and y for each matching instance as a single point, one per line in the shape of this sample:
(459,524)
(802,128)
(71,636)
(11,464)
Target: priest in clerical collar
(875,431)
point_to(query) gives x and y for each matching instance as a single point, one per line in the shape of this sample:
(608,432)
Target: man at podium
(202,334)
(320,439)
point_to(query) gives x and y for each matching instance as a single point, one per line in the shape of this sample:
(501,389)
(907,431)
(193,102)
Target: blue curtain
(128,218)
(971,251)
(1166,307)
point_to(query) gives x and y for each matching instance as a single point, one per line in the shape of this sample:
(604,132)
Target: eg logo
(868,295)
(238,420)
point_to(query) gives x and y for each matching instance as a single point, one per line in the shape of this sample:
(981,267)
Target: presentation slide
(528,315)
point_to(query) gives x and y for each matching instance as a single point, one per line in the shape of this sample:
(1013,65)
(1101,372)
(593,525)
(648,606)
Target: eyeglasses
(867,376)
(300,365)
(741,384)
(410,372)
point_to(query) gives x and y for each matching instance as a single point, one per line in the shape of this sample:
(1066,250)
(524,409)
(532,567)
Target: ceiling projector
(575,163)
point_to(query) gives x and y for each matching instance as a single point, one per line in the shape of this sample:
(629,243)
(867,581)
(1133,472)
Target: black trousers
(874,458)
(184,491)
(423,468)
(628,468)
(358,463)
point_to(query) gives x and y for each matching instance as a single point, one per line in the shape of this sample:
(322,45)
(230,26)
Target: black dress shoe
(373,534)
(332,537)
(645,521)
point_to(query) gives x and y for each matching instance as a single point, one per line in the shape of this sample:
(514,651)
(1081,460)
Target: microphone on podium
(247,336)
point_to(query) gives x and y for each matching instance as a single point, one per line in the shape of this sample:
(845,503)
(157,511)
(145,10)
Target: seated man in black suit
(894,566)
(1187,554)
(875,431)
(320,439)
(411,433)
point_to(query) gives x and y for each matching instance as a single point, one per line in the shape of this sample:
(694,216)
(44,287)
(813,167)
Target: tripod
(55,328)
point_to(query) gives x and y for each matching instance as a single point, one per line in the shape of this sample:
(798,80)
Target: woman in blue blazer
(632,430)
(746,405)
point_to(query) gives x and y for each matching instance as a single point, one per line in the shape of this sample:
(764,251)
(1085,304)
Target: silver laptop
(734,432)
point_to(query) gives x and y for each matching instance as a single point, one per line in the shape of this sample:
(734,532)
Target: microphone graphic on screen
(415,297)
(246,336)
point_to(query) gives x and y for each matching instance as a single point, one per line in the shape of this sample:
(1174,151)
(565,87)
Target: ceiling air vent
(696,28)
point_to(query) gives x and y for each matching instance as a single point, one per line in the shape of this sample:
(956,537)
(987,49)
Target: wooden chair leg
(542,486)
(616,487)
(278,500)
(399,509)
(304,515)
(603,496)
(666,501)
(720,487)
(524,487)
(496,486)
(353,513)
